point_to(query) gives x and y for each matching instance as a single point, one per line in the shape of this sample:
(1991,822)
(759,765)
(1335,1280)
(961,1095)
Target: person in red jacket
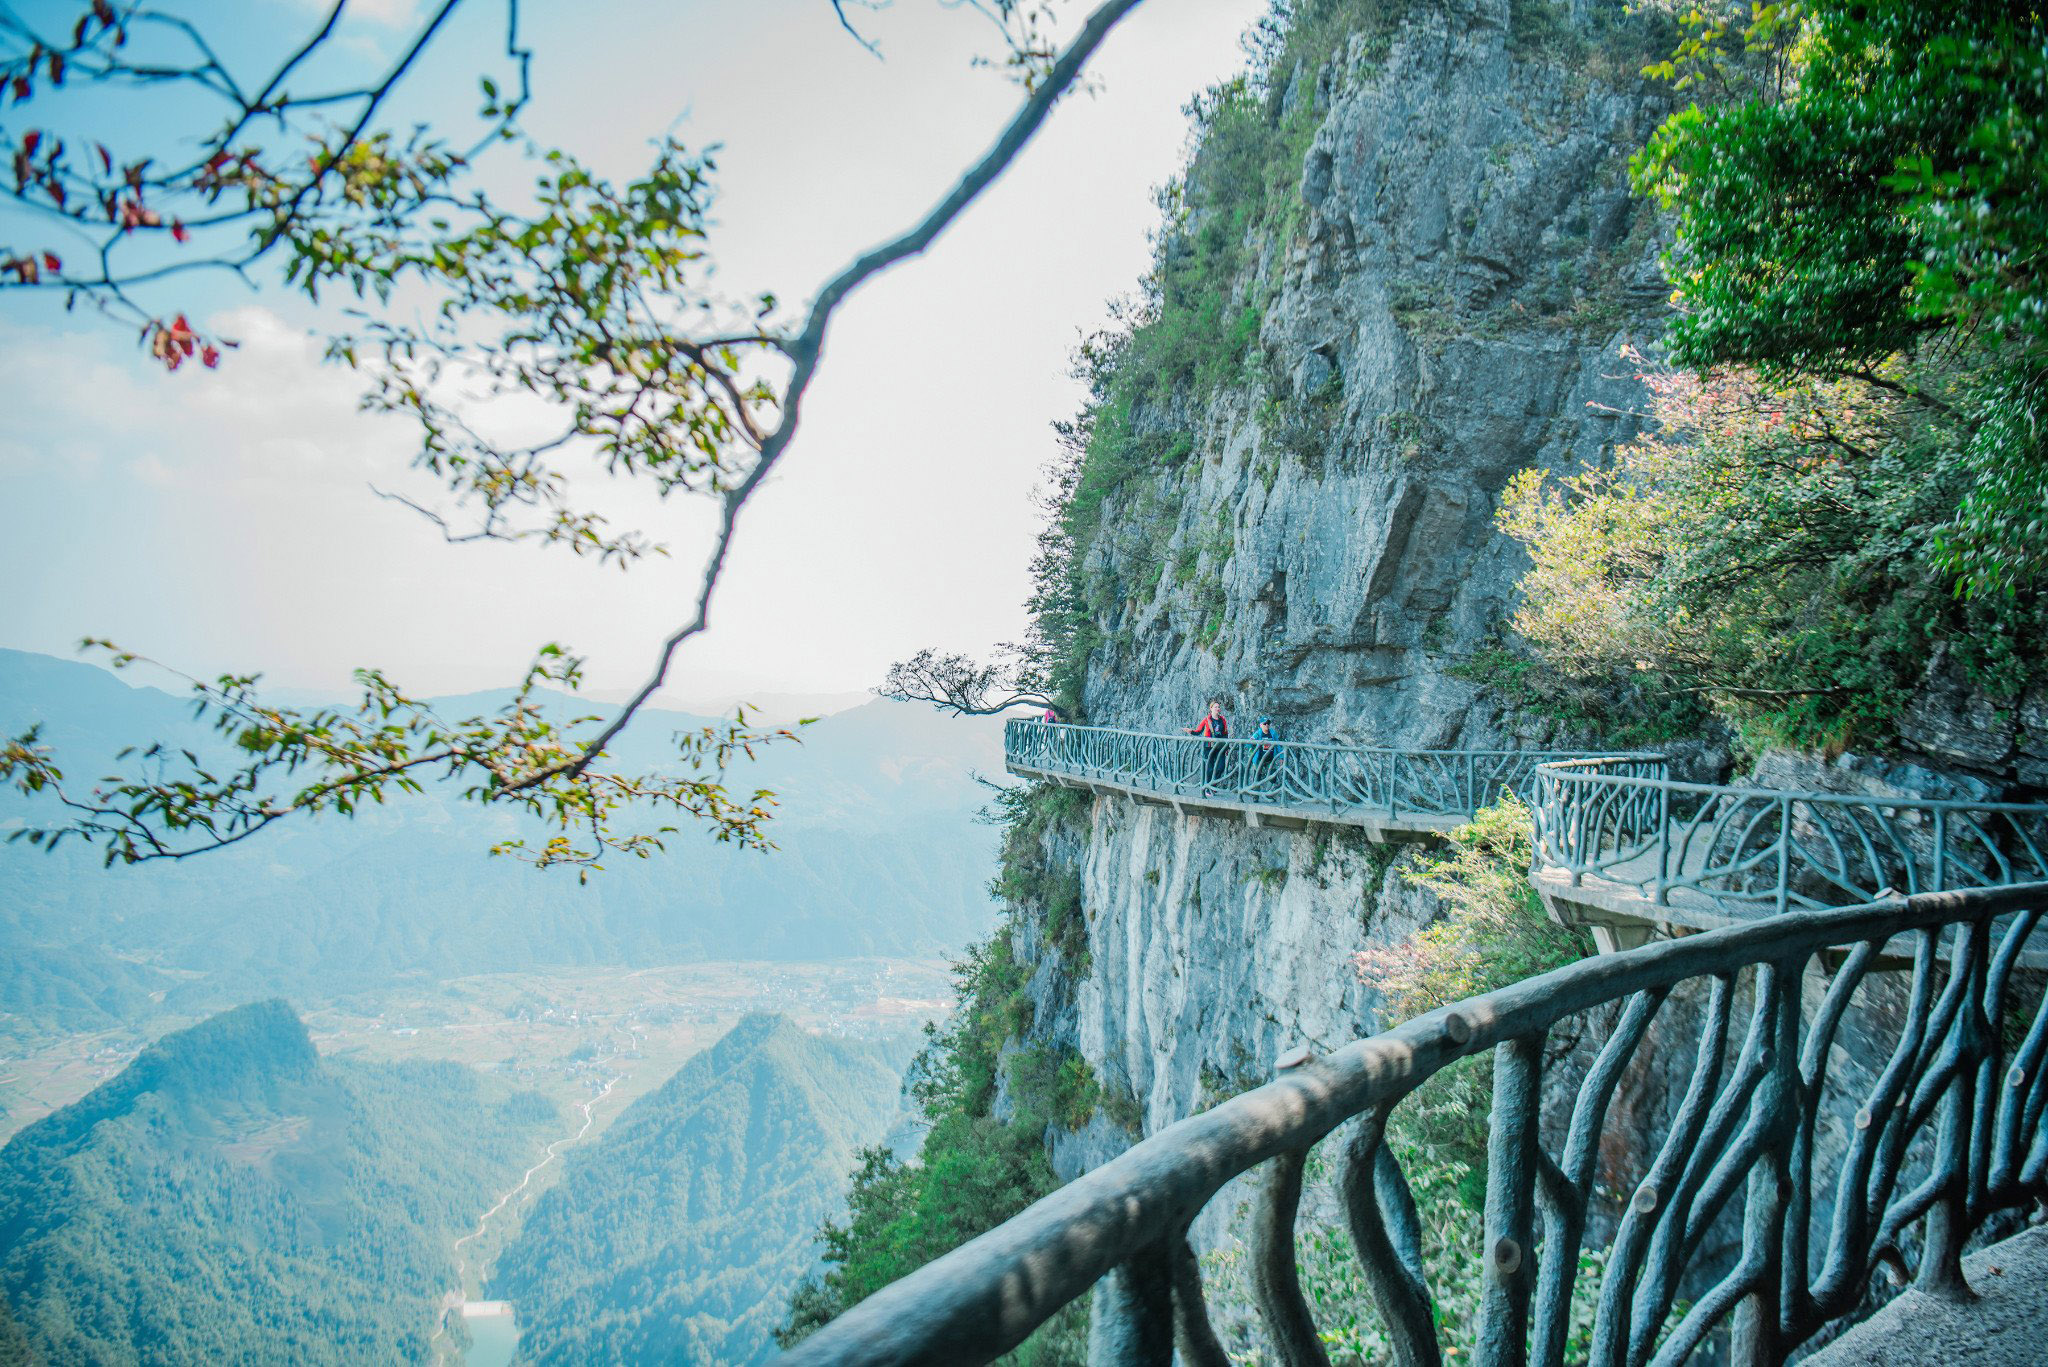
(1215,727)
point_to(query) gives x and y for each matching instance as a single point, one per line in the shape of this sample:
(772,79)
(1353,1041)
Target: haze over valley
(405,964)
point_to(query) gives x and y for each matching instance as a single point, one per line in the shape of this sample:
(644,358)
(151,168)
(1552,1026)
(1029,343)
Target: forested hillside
(232,1197)
(677,1235)
(878,854)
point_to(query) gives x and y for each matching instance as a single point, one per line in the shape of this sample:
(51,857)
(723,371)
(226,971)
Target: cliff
(1447,296)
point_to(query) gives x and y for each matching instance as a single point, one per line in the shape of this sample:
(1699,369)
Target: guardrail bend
(1625,849)
(1945,1135)
(1388,793)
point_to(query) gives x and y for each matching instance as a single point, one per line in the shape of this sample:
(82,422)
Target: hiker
(1215,727)
(1266,761)
(1051,718)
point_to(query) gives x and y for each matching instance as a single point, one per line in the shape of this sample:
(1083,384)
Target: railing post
(1276,1280)
(1132,1317)
(1386,1232)
(1756,1339)
(1940,850)
(1948,1219)
(1663,888)
(1784,853)
(1577,789)
(1394,786)
(1471,805)
(1510,1254)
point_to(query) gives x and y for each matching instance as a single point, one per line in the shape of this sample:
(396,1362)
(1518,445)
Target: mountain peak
(242,1054)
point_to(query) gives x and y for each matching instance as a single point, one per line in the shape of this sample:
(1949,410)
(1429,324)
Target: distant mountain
(230,1196)
(776,707)
(677,1235)
(879,854)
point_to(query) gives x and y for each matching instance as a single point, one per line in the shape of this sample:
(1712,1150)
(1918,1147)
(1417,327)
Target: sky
(225,521)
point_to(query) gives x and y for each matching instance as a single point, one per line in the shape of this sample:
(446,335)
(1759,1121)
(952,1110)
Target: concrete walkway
(2007,1326)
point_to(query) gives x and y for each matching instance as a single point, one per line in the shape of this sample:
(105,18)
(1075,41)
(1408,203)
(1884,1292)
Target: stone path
(2006,1326)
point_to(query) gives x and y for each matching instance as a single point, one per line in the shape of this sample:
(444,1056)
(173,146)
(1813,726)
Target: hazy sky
(223,520)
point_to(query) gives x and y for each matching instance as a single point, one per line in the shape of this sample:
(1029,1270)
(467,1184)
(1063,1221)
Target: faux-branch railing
(1945,1134)
(1736,853)
(1706,853)
(1303,776)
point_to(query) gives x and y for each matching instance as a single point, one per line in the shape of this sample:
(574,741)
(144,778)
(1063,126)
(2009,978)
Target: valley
(558,1032)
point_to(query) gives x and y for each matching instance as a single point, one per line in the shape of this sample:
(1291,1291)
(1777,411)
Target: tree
(594,296)
(1889,198)
(964,686)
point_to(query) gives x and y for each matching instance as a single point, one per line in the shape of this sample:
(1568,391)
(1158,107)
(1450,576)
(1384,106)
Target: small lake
(493,1333)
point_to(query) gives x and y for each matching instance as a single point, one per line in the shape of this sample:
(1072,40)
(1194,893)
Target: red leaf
(106,159)
(56,68)
(51,263)
(179,324)
(178,232)
(31,140)
(209,356)
(21,89)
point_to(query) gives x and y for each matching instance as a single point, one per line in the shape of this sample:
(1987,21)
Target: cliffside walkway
(1621,847)
(1627,850)
(1389,794)
(2000,1327)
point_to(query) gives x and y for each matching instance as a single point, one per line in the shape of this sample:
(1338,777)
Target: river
(493,1326)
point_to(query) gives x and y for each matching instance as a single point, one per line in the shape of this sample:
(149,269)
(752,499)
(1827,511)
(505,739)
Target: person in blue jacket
(1267,756)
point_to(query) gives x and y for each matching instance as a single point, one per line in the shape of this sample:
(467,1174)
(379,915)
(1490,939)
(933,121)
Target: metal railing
(1741,852)
(1945,1133)
(1300,776)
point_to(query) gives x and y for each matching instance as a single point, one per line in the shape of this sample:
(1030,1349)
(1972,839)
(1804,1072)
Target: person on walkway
(1051,718)
(1266,760)
(1214,727)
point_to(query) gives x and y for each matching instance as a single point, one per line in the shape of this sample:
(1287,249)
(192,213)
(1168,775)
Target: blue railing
(1307,778)
(1619,825)
(1610,829)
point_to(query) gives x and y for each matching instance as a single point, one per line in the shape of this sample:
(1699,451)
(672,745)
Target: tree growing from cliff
(594,295)
(965,686)
(1842,492)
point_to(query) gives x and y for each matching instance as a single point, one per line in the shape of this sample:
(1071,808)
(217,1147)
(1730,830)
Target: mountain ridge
(878,854)
(678,1233)
(232,1196)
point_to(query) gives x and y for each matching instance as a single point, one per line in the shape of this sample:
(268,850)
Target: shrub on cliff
(1843,494)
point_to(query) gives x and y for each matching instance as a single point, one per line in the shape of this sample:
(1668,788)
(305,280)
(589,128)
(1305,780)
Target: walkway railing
(1946,1134)
(1742,852)
(1299,776)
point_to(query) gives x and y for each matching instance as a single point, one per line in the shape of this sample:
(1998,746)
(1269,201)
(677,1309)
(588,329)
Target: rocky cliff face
(1455,305)
(1466,274)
